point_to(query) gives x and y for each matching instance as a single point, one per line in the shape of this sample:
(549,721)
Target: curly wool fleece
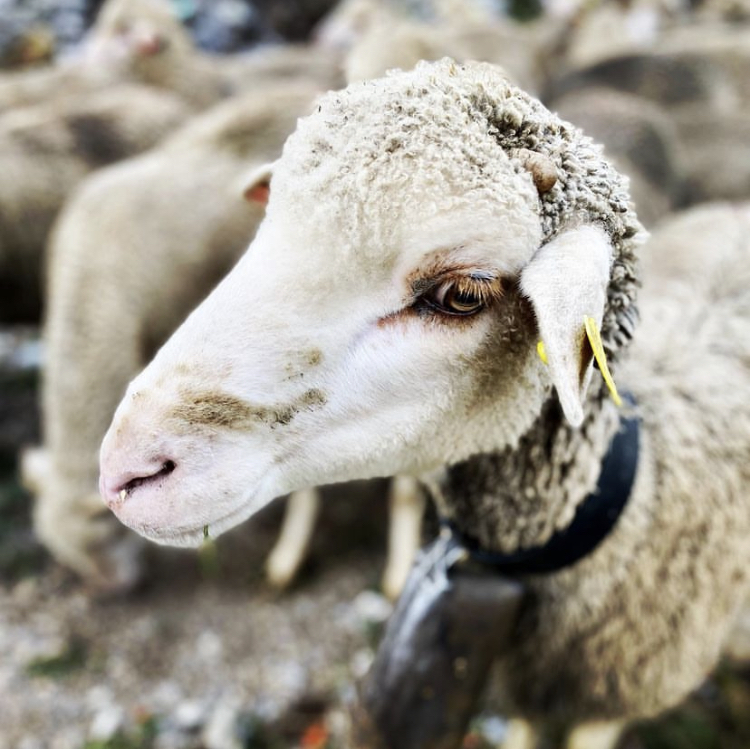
(439,126)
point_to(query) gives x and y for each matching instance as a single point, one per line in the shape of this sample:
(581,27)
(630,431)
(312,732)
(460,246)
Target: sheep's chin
(195,536)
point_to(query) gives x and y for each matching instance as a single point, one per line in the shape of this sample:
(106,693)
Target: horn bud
(541,168)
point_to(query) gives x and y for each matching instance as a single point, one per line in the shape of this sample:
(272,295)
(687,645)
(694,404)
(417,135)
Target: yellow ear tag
(592,331)
(542,353)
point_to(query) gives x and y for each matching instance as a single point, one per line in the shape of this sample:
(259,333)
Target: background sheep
(697,79)
(144,41)
(392,41)
(45,151)
(640,139)
(83,125)
(633,627)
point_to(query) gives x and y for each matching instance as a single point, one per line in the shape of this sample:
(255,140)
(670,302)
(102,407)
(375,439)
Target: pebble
(106,723)
(220,731)
(361,662)
(371,607)
(30,742)
(208,646)
(493,728)
(165,696)
(190,715)
(99,697)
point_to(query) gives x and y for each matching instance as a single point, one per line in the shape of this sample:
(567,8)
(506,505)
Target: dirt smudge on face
(313,357)
(220,410)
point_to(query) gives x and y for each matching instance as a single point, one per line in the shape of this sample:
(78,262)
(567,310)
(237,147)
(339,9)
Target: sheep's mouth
(193,533)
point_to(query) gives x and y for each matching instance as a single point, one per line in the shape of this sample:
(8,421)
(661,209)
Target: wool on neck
(519,496)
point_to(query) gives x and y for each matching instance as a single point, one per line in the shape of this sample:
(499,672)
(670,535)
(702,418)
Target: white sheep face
(336,349)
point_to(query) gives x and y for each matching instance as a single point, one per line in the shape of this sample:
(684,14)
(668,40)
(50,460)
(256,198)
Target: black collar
(593,521)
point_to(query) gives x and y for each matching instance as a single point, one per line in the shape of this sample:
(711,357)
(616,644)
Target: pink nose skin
(115,489)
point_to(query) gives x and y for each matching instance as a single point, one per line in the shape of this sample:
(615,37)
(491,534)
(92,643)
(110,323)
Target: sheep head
(386,316)
(139,37)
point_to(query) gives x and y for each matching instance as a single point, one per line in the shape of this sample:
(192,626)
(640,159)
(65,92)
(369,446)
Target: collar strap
(595,518)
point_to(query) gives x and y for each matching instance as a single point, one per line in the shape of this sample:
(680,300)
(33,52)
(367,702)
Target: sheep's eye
(462,296)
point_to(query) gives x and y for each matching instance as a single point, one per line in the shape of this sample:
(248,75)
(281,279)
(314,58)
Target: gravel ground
(199,663)
(205,655)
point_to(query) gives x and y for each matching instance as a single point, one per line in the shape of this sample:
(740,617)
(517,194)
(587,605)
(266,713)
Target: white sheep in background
(145,42)
(59,123)
(45,152)
(697,77)
(424,232)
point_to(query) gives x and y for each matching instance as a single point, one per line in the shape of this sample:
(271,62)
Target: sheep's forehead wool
(381,159)
(385,156)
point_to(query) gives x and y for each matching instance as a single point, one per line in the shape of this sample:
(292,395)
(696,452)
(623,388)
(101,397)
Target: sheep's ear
(566,281)
(256,187)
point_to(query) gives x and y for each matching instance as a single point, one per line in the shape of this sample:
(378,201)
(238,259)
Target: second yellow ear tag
(592,332)
(541,352)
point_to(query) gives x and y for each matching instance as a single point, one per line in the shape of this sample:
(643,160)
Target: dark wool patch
(666,80)
(96,139)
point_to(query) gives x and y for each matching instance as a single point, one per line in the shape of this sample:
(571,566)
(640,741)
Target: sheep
(136,39)
(90,125)
(376,37)
(144,41)
(131,40)
(425,231)
(398,42)
(45,152)
(602,30)
(717,167)
(691,65)
(698,79)
(159,51)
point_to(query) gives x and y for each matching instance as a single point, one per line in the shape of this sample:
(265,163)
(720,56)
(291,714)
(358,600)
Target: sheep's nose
(116,487)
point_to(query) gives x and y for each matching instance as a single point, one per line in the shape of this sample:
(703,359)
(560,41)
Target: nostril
(166,468)
(125,488)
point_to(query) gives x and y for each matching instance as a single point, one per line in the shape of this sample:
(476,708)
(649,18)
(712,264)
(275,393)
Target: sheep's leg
(520,735)
(290,550)
(595,735)
(92,350)
(406,508)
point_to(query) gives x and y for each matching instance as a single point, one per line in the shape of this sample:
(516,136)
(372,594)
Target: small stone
(220,731)
(361,662)
(30,742)
(493,728)
(106,723)
(99,697)
(208,646)
(165,696)
(372,607)
(190,715)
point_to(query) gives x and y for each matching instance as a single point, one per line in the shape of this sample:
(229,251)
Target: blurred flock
(128,131)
